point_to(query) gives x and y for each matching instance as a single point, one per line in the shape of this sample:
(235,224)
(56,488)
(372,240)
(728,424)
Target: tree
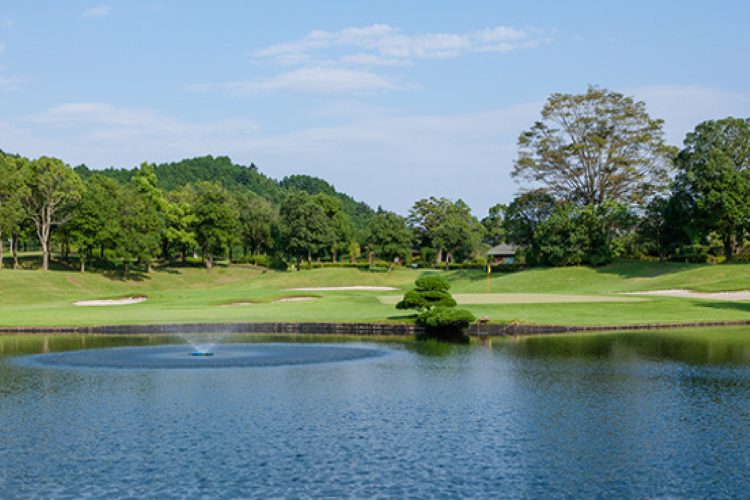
(53,190)
(666,223)
(524,214)
(494,230)
(256,220)
(179,222)
(139,235)
(593,147)
(214,220)
(425,217)
(389,237)
(341,224)
(97,221)
(431,291)
(714,167)
(574,235)
(303,227)
(458,230)
(12,192)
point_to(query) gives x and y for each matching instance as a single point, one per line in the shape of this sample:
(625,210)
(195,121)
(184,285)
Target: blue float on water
(202,353)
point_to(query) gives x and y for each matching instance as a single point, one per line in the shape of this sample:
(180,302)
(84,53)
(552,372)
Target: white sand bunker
(112,302)
(743,295)
(332,288)
(295,299)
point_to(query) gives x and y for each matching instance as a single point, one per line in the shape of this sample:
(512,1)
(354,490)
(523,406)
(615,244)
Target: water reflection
(693,346)
(640,414)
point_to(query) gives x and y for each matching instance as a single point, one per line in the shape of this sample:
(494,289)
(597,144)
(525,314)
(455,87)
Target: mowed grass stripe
(521,298)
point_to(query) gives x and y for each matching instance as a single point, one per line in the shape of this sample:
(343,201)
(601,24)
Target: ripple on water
(225,356)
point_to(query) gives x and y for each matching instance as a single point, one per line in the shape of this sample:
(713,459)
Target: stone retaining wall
(513,330)
(364,329)
(359,329)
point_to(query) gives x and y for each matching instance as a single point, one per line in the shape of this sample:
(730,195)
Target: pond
(638,414)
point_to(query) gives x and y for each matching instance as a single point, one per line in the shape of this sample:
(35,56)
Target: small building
(503,253)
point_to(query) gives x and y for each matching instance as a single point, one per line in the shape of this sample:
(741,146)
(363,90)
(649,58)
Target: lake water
(647,414)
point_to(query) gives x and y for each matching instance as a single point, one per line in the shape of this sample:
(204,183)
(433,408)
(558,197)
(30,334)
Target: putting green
(521,298)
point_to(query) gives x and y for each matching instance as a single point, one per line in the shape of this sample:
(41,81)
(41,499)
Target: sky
(389,101)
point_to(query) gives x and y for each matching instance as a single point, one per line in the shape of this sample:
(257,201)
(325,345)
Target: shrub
(431,291)
(446,323)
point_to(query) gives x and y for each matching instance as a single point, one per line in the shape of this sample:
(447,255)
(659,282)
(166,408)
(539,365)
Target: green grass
(190,294)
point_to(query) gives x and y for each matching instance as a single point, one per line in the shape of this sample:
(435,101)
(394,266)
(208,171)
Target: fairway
(520,298)
(579,295)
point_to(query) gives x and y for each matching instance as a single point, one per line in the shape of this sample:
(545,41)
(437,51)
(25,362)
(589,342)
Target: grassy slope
(192,295)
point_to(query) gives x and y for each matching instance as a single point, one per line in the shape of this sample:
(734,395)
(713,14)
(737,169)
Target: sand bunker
(234,304)
(295,299)
(332,288)
(112,302)
(743,295)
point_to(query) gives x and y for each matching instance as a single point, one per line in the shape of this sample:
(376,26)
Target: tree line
(130,218)
(601,182)
(598,181)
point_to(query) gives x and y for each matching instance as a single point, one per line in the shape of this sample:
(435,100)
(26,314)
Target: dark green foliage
(238,178)
(389,237)
(431,291)
(97,217)
(445,323)
(433,282)
(139,228)
(304,229)
(715,172)
(494,229)
(215,222)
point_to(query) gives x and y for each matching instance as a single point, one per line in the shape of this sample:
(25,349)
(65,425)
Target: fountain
(204,356)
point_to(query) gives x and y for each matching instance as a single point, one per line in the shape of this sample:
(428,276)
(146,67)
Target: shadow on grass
(627,268)
(730,306)
(403,317)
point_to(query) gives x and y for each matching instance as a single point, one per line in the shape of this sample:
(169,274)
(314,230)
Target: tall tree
(12,191)
(215,221)
(493,225)
(256,220)
(459,230)
(53,190)
(389,237)
(714,167)
(304,228)
(97,217)
(140,229)
(593,147)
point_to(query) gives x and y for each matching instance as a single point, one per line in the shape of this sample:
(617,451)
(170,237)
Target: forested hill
(174,176)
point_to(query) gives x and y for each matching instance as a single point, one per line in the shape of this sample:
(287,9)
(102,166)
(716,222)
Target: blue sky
(390,101)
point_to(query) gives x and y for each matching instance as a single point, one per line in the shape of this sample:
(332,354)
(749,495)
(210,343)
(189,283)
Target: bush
(445,323)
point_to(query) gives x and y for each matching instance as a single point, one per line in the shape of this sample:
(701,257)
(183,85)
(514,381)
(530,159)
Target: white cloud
(101,135)
(379,42)
(682,107)
(315,80)
(98,11)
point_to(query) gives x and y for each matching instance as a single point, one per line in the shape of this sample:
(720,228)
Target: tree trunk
(148,267)
(83,266)
(1,249)
(45,255)
(209,261)
(15,251)
(335,253)
(729,248)
(127,268)
(439,257)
